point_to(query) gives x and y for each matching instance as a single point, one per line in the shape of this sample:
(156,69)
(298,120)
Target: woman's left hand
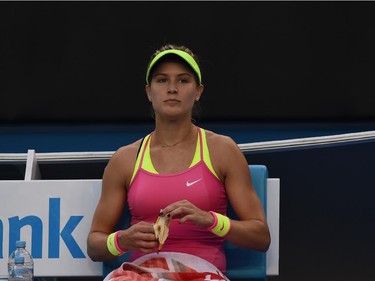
(186,211)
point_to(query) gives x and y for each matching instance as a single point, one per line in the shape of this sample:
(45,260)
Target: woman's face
(173,90)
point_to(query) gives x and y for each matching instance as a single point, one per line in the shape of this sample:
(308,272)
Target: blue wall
(108,137)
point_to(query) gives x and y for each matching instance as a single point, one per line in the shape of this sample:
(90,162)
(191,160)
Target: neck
(172,136)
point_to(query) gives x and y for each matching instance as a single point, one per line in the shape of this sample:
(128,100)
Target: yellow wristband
(222,224)
(112,246)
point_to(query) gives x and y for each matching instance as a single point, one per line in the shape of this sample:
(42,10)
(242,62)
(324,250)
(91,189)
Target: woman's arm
(116,179)
(251,230)
(109,208)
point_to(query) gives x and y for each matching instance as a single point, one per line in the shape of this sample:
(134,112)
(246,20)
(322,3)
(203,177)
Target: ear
(148,92)
(200,89)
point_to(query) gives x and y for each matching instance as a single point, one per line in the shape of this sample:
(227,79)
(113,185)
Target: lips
(171,100)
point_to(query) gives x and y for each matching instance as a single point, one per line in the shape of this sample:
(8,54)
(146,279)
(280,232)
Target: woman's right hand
(139,237)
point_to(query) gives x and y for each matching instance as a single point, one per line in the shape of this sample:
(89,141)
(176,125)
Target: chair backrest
(241,263)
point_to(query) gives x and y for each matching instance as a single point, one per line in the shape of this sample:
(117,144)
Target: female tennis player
(181,171)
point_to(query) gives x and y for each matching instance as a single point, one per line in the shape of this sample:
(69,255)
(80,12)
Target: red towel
(167,267)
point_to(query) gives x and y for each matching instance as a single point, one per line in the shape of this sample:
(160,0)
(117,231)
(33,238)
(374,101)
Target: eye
(161,80)
(185,79)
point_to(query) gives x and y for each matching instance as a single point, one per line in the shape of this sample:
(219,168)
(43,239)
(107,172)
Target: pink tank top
(149,192)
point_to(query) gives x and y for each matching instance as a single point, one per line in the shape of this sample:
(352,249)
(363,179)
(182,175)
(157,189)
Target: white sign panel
(54,218)
(273,218)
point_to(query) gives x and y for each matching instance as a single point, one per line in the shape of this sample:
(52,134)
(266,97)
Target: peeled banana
(161,228)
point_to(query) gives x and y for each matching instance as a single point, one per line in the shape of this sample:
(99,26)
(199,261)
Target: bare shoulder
(220,143)
(224,153)
(127,152)
(123,160)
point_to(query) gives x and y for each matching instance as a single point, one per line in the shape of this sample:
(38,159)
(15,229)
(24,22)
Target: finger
(147,245)
(185,219)
(144,227)
(170,208)
(195,217)
(181,212)
(149,237)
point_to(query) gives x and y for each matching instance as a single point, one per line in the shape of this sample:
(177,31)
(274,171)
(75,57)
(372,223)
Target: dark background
(326,211)
(261,61)
(72,78)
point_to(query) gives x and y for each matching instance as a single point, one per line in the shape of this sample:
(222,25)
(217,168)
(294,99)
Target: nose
(172,86)
(172,91)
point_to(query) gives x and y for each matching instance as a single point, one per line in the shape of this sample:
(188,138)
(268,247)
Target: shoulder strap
(206,153)
(139,149)
(140,153)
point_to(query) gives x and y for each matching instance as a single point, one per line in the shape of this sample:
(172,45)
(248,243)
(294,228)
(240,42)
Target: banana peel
(161,229)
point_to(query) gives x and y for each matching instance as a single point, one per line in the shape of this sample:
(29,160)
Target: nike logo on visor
(191,183)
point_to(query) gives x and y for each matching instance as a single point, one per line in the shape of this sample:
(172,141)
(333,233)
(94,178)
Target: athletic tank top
(149,192)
